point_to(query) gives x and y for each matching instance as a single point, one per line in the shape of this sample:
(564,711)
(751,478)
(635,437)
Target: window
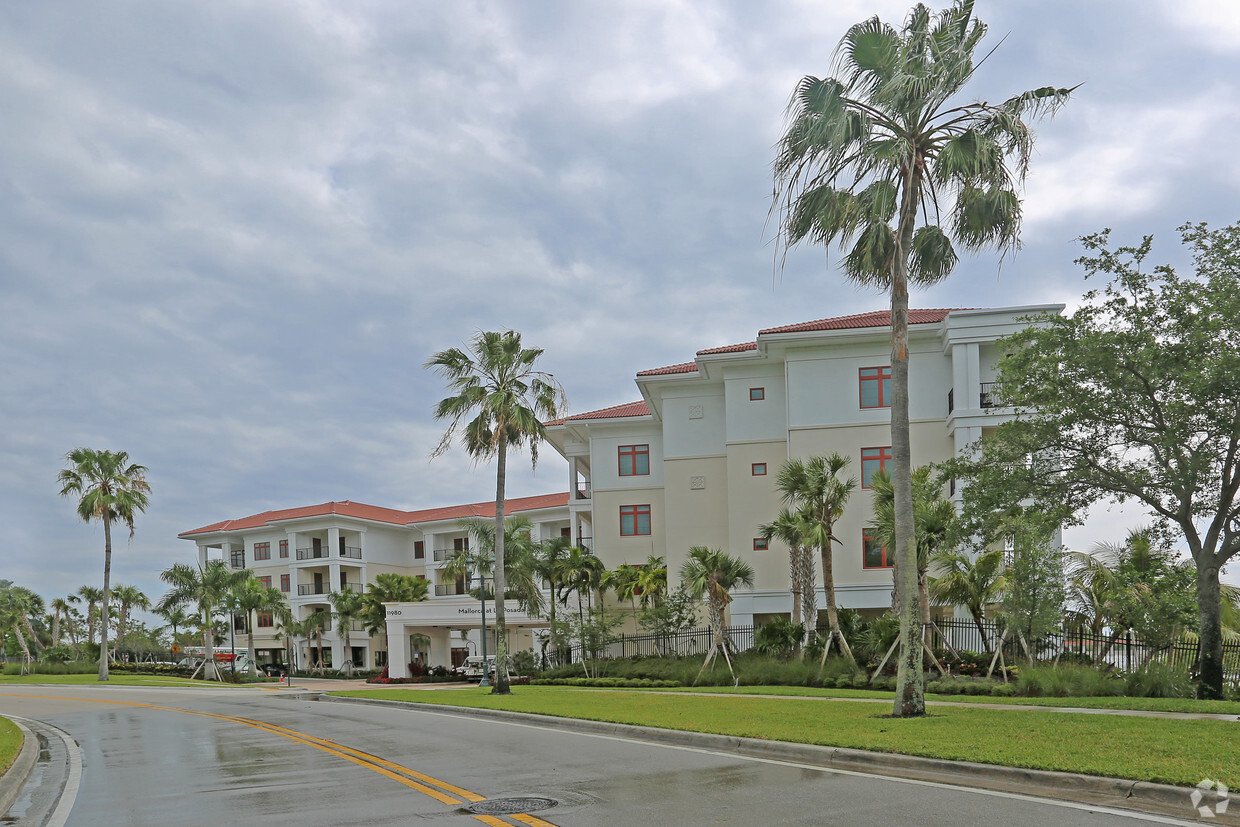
(634,460)
(238,623)
(566,531)
(873,553)
(262,551)
(875,387)
(460,544)
(237,558)
(873,459)
(284,583)
(758,469)
(419,550)
(266,581)
(760,544)
(757,394)
(265,620)
(284,548)
(634,520)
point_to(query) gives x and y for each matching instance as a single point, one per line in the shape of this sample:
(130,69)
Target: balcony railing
(351,552)
(442,554)
(323,588)
(986,398)
(584,493)
(444,589)
(312,553)
(951,400)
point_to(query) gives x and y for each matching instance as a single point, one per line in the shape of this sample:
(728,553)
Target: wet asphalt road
(152,757)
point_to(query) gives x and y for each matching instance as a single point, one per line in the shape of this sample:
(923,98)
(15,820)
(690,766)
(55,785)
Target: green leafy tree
(109,488)
(676,612)
(866,155)
(250,597)
(347,606)
(1034,600)
(499,400)
(815,486)
(389,587)
(205,588)
(127,598)
(1133,397)
(713,573)
(933,521)
(974,582)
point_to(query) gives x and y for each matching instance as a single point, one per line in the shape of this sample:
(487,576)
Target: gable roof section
(683,367)
(379,514)
(638,408)
(876,318)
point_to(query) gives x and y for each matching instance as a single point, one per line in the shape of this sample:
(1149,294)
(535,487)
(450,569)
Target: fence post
(1128,650)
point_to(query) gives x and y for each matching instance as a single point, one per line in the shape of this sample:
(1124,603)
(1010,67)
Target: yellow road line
(397,772)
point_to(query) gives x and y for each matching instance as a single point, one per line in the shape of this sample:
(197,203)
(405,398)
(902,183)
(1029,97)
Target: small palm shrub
(778,638)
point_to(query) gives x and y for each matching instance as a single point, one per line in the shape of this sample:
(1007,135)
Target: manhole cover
(511,806)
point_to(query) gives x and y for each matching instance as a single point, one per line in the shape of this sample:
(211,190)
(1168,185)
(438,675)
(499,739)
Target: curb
(1120,793)
(15,777)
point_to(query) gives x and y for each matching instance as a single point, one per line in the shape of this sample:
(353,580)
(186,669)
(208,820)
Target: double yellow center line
(441,791)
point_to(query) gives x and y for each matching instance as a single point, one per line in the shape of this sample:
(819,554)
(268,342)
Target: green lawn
(10,744)
(1150,749)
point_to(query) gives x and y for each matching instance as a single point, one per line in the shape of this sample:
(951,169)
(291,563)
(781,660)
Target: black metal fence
(686,642)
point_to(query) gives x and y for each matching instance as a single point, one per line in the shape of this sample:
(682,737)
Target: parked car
(471,669)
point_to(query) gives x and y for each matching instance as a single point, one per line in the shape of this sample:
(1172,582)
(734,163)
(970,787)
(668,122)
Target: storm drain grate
(511,806)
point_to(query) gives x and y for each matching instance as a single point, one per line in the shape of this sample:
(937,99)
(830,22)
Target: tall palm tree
(815,485)
(347,606)
(205,588)
(313,626)
(580,573)
(93,598)
(62,610)
(713,573)
(862,157)
(248,598)
(389,587)
(127,598)
(109,489)
(548,566)
(972,583)
(177,618)
(933,518)
(794,529)
(499,400)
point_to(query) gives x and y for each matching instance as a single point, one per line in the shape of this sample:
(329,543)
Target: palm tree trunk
(794,577)
(833,617)
(106,600)
(249,642)
(21,640)
(910,683)
(56,627)
(500,687)
(809,592)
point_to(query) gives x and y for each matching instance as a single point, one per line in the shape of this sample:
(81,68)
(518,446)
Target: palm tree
(886,142)
(652,581)
(933,518)
(713,573)
(972,583)
(17,604)
(794,529)
(389,587)
(206,588)
(814,485)
(62,609)
(520,559)
(313,626)
(93,598)
(347,606)
(548,566)
(109,489)
(127,597)
(581,573)
(248,598)
(177,617)
(497,385)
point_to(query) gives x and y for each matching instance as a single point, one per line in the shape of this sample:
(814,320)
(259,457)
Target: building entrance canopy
(437,619)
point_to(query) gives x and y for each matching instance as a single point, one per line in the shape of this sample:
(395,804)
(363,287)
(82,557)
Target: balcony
(351,552)
(442,554)
(312,553)
(322,588)
(986,398)
(445,589)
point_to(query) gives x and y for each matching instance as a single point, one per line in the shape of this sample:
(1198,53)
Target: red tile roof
(741,348)
(684,367)
(877,318)
(638,408)
(383,515)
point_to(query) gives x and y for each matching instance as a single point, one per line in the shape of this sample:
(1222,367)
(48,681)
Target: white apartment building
(693,462)
(309,552)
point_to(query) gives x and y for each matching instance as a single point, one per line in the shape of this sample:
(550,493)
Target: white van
(471,668)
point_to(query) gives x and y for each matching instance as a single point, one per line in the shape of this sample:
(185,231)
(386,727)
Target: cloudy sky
(231,232)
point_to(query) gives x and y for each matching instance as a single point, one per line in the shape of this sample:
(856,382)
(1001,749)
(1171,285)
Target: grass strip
(1160,750)
(115,679)
(1108,702)
(10,744)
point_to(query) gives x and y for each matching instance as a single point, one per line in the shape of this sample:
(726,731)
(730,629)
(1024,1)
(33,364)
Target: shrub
(778,638)
(1066,680)
(1158,680)
(1003,690)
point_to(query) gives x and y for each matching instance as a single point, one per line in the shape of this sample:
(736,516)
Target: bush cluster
(611,683)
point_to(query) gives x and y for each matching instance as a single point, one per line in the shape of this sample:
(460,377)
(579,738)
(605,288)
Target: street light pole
(482,594)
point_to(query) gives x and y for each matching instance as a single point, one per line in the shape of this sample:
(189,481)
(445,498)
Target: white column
(398,648)
(202,556)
